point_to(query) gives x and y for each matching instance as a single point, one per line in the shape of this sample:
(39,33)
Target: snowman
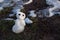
(19,23)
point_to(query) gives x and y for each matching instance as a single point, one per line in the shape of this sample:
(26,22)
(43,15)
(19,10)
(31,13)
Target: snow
(55,3)
(15,10)
(30,1)
(1,8)
(16,0)
(8,19)
(1,1)
(10,15)
(32,14)
(28,21)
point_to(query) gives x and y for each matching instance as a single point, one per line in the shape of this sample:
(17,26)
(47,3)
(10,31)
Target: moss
(5,25)
(4,13)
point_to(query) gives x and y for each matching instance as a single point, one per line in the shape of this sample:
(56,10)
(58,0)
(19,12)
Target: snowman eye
(19,14)
(22,15)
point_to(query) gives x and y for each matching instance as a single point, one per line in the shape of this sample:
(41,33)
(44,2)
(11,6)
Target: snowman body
(19,26)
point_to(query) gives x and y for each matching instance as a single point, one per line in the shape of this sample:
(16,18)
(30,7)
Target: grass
(42,29)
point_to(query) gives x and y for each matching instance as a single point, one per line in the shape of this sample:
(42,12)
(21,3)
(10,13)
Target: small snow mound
(1,8)
(28,21)
(32,14)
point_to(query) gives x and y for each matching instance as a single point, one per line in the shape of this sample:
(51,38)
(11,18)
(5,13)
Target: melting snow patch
(32,13)
(8,19)
(1,8)
(28,21)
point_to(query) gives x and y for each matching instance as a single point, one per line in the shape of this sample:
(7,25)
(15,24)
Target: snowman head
(20,15)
